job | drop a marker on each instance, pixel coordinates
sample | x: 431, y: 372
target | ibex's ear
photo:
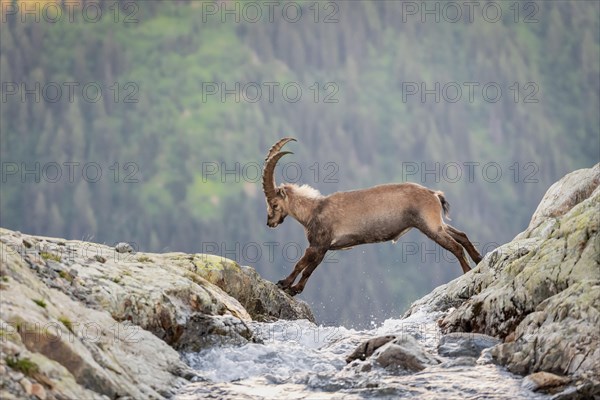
x: 281, y: 192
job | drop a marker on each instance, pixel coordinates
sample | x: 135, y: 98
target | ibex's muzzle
x: 273, y: 224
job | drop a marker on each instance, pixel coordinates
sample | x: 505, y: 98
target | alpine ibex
x: 345, y: 219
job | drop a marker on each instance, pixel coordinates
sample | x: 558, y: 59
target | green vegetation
x: 66, y: 322
x: 17, y: 322
x: 144, y: 259
x: 154, y: 133
x: 6, y: 335
x: 50, y: 256
x: 194, y: 278
x: 24, y: 365
x: 65, y: 275
x: 40, y: 302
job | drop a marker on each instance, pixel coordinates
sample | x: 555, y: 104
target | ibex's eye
x: 275, y: 207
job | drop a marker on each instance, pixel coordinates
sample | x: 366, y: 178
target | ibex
x: 345, y: 219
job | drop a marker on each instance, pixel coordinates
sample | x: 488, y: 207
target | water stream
x: 300, y: 360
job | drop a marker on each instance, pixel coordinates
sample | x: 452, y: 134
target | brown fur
x: 345, y: 219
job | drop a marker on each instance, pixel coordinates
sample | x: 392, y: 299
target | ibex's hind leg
x: 443, y: 238
x: 462, y: 238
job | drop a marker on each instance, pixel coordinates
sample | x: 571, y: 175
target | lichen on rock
x: 540, y: 293
x: 107, y: 321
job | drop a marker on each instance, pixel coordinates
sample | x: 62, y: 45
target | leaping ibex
x: 345, y: 219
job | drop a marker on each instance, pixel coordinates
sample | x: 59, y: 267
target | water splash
x: 301, y: 360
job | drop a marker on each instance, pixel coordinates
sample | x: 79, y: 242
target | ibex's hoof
x: 281, y: 284
x: 293, y: 291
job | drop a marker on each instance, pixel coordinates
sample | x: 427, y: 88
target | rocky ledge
x: 532, y: 305
x: 81, y: 320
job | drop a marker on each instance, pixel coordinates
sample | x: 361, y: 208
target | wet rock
x: 459, y: 362
x: 462, y: 344
x: 404, y: 354
x: 540, y: 293
x: 204, y: 331
x: 543, y: 381
x: 586, y: 388
x: 366, y: 349
x: 563, y: 387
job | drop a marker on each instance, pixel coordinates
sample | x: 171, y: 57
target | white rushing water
x: 301, y: 360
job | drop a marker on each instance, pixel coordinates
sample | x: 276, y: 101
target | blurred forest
x: 163, y: 131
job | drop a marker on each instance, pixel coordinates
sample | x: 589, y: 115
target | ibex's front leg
x: 307, y: 264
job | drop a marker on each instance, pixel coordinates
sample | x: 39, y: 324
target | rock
x: 123, y: 248
x: 204, y: 331
x: 542, y: 381
x: 17, y: 376
x: 55, y: 266
x: 404, y: 354
x: 102, y: 357
x: 113, y: 329
x: 586, y: 388
x: 38, y: 391
x: 366, y: 349
x: 562, y: 196
x: 4, y: 395
x: 263, y: 300
x: 540, y: 293
x: 556, y: 338
x: 26, y: 384
x: 459, y: 362
x: 461, y: 344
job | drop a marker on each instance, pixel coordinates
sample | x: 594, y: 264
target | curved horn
x: 277, y: 146
x: 269, y: 174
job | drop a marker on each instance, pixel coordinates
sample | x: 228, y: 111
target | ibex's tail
x: 445, y: 204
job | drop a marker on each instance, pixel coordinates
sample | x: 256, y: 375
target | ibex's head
x: 276, y: 197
